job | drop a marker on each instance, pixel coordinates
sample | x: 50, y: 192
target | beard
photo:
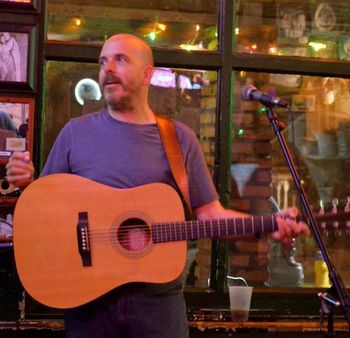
x: 118, y: 103
x: 118, y: 99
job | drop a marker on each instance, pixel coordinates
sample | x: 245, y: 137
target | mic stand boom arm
x: 337, y: 290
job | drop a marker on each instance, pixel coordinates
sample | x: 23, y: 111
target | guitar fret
x: 173, y: 231
x: 262, y: 224
x: 166, y: 233
x: 160, y: 233
x: 226, y: 227
x: 204, y: 229
x: 253, y: 225
x: 219, y: 226
x: 170, y: 232
x: 192, y: 231
x: 234, y: 226
x: 243, y: 226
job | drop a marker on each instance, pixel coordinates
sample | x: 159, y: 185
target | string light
x: 273, y: 50
x: 77, y: 21
x: 317, y: 45
x: 152, y: 35
x: 162, y: 26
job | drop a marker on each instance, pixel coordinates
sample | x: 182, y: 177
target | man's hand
x: 289, y: 227
x: 20, y: 170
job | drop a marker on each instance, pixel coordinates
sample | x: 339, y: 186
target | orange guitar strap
x: 174, y: 154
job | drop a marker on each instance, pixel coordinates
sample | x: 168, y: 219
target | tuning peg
x: 321, y: 212
x: 335, y: 205
x: 335, y: 210
x: 347, y: 205
x: 347, y: 210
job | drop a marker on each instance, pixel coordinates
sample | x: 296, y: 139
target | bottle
x: 321, y: 271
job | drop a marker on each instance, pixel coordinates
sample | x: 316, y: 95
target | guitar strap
x: 174, y: 154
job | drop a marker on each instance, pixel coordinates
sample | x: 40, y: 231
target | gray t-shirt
x: 125, y: 155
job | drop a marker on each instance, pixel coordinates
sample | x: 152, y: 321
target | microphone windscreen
x: 245, y: 92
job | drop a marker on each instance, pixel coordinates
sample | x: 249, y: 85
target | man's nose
x: 110, y: 66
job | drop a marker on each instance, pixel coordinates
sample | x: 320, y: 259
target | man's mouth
x: 111, y: 81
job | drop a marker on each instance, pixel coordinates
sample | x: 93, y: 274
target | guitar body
x: 46, y: 248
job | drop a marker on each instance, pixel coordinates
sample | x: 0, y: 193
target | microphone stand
x: 337, y: 290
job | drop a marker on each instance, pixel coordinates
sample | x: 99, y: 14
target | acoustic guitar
x: 72, y: 237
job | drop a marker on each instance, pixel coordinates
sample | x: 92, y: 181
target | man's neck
x: 132, y: 116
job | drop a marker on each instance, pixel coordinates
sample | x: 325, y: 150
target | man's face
x: 121, y: 75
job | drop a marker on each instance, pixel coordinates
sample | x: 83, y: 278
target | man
x: 121, y: 147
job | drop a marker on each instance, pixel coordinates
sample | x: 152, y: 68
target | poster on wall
x: 16, y: 115
x: 19, y: 4
x: 16, y: 134
x: 13, y: 57
x: 16, y: 57
x: 18, y: 1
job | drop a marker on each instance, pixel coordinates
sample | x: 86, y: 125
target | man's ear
x: 148, y: 74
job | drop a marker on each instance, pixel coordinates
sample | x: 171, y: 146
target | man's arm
x: 288, y: 227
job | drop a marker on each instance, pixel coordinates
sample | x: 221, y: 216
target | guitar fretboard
x: 179, y: 231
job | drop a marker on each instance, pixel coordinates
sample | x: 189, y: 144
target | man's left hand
x: 288, y: 227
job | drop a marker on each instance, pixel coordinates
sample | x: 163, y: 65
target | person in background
x: 120, y: 146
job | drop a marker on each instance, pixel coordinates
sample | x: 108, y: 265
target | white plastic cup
x: 240, y: 298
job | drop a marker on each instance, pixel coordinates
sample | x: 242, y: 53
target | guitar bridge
x: 83, y: 238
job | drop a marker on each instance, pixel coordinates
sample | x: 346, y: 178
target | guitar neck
x: 251, y: 225
x: 189, y: 230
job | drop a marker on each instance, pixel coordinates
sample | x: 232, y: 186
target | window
x: 188, y: 25
x: 292, y: 49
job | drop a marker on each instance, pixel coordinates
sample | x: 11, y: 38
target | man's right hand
x: 20, y: 169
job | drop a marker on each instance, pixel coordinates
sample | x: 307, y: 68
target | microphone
x: 250, y: 93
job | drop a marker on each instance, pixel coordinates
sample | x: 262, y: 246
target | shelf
x: 323, y: 158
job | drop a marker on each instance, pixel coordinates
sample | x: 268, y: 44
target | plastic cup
x: 240, y: 297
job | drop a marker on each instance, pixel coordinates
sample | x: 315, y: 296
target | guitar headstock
x: 334, y: 217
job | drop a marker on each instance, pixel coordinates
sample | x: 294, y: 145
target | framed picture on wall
x: 19, y: 5
x: 16, y: 125
x: 16, y: 57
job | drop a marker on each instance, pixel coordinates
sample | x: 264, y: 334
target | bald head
x: 126, y: 68
x: 137, y: 44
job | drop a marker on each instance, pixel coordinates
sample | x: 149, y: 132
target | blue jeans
x: 160, y: 315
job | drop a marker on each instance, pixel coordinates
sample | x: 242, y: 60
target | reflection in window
x: 318, y: 135
x: 295, y: 28
x: 169, y: 24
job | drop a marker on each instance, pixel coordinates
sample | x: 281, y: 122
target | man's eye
x: 121, y: 58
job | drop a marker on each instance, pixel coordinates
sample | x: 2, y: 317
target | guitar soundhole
x: 133, y: 234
